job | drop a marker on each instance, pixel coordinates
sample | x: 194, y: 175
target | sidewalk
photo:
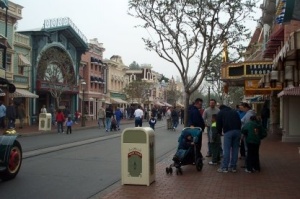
x: 34, y: 129
x: 279, y: 178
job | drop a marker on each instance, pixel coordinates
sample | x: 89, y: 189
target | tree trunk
x: 186, y: 108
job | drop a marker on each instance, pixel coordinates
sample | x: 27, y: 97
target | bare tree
x: 59, y: 79
x: 138, y: 90
x: 189, y: 33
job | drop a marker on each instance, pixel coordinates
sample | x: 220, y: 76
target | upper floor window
x: 8, y: 62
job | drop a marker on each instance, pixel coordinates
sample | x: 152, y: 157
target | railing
x: 63, y: 22
x: 22, y: 39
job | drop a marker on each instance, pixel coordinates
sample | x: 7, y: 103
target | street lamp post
x: 83, y: 84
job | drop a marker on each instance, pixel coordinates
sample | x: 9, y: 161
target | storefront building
x: 56, y: 54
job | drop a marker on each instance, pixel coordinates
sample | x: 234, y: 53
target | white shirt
x: 138, y: 113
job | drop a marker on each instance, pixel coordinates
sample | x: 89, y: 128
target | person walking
x: 101, y: 117
x: 152, y: 122
x: 119, y: 116
x: 195, y: 117
x: 69, y: 125
x: 168, y: 118
x: 138, y: 116
x: 60, y: 119
x: 228, y: 122
x: 182, y: 115
x: 2, y: 115
x: 207, y: 116
x: 21, y: 115
x: 11, y: 115
x: 175, y: 118
x: 108, y: 115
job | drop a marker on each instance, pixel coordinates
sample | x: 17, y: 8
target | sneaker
x: 247, y: 171
x: 212, y: 163
x: 233, y: 170
x: 221, y: 170
x: 106, y: 130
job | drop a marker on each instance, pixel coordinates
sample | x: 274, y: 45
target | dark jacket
x: 108, y: 112
x: 174, y: 115
x: 195, y: 118
x: 228, y: 120
x: 11, y: 113
x: 254, y: 132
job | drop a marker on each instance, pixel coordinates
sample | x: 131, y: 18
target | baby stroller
x: 189, y: 156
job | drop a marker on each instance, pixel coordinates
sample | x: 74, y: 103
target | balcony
x: 22, y: 40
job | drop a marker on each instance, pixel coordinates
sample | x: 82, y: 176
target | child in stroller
x: 113, y: 125
x: 189, y: 150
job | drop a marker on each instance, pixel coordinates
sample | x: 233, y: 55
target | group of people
x: 11, y: 113
x: 109, y: 119
x: 241, y: 129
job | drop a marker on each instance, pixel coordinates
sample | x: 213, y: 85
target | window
x: 8, y: 62
x: 21, y: 70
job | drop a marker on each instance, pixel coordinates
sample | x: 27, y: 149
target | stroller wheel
x: 170, y: 170
x: 199, y: 164
x: 167, y: 170
x: 178, y: 171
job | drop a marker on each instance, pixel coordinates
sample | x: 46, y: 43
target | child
x: 152, y: 122
x: 184, y: 144
x: 254, y: 132
x: 215, y: 141
x: 69, y: 124
x: 113, y: 125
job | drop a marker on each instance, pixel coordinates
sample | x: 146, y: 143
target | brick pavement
x: 279, y: 178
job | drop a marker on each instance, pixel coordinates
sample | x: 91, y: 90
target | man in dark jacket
x: 11, y: 115
x: 195, y: 117
x: 228, y: 122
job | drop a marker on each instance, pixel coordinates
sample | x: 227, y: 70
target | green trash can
x: 138, y: 156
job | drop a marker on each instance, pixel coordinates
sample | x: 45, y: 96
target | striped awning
x: 118, y: 101
x: 159, y: 104
x: 290, y: 92
x: 167, y: 104
x: 23, y: 61
x: 23, y: 93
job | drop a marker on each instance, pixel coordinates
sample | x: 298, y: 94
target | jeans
x: 138, y: 122
x: 108, y: 123
x: 101, y: 122
x: 118, y: 123
x: 175, y: 123
x: 209, y: 140
x: 60, y: 126
x: 231, y: 149
x: 252, y: 159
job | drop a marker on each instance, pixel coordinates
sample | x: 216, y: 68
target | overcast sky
x: 106, y: 20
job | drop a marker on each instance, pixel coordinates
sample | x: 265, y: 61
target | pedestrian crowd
x: 241, y: 129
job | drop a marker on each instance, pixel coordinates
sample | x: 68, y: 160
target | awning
x: 159, y: 104
x: 23, y: 61
x: 290, y: 92
x: 118, y: 101
x: 179, y: 104
x: 167, y: 104
x: 23, y: 93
